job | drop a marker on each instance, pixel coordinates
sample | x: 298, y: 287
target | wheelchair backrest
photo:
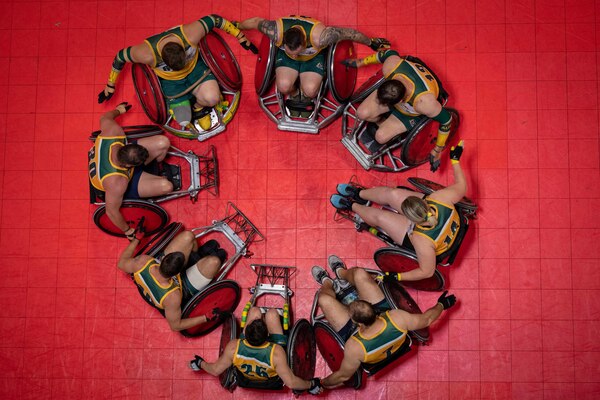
x: 372, y: 369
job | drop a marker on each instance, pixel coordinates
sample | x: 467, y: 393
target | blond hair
x: 415, y: 209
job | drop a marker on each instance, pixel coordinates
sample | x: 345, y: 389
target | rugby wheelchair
x: 204, y: 175
x: 407, y: 150
x: 272, y: 283
x: 215, y: 52
x: 401, y: 257
x: 222, y: 294
x: 331, y: 344
x: 336, y: 89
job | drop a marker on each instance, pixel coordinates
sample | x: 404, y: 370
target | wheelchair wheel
x: 224, y: 295
x: 302, y: 350
x: 147, y: 88
x: 155, y: 217
x: 331, y: 347
x: 390, y: 259
x: 158, y: 242
x: 264, y: 66
x: 368, y: 87
x: 135, y: 131
x: 342, y: 79
x: 221, y: 61
x: 228, y: 334
x: 403, y: 301
x: 426, y: 186
x: 421, y: 139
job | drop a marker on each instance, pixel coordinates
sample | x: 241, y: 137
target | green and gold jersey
x: 255, y: 362
x: 423, y: 82
x: 443, y: 234
x: 384, y: 343
x: 100, y: 165
x: 306, y: 25
x: 153, y: 290
x: 191, y: 54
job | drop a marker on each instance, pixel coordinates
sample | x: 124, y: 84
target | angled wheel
x: 390, y: 259
x: 302, y: 350
x: 158, y: 242
x: 228, y: 333
x: 342, y: 78
x: 147, y: 88
x: 265, y: 63
x: 155, y: 217
x: 331, y: 347
x: 135, y: 131
x: 426, y: 186
x: 402, y: 300
x: 221, y: 61
x: 224, y: 295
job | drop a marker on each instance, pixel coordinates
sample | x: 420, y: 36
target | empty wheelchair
x: 407, y: 150
x: 222, y: 63
x: 221, y: 293
x: 331, y: 345
x: 401, y: 257
x: 272, y: 284
x: 336, y: 89
x: 203, y: 175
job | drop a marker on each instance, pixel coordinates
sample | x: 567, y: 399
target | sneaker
x: 348, y: 190
x: 341, y: 202
x: 344, y: 291
x: 336, y: 264
x: 320, y: 275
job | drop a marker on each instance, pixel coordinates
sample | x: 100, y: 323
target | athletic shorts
x: 408, y: 121
x: 174, y: 87
x: 132, y: 189
x: 315, y: 64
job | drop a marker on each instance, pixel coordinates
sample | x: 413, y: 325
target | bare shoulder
x: 428, y: 104
x: 142, y: 53
x: 390, y: 64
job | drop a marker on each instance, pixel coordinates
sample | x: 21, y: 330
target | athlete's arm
x: 140, y: 53
x: 285, y: 373
x: 376, y: 58
x: 127, y: 262
x: 350, y: 363
x: 426, y: 257
x: 114, y: 190
x: 207, y: 23
x: 172, y: 305
x: 455, y: 192
x: 224, y: 361
x: 265, y: 26
x: 334, y: 34
x: 413, y: 322
x: 429, y: 106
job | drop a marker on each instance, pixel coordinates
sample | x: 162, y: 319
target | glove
x: 456, y: 152
x: 140, y: 230
x: 350, y: 62
x: 447, y: 301
x: 389, y: 277
x: 315, y: 386
x: 214, y: 314
x: 196, y: 363
x: 124, y: 106
x: 434, y: 159
x: 379, y: 43
x: 106, y: 94
x: 246, y: 43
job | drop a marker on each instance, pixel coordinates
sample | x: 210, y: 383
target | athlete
x: 173, y: 55
x: 116, y: 167
x: 259, y: 356
x: 410, y: 90
x: 300, y: 41
x: 427, y: 223
x: 183, y: 271
x: 381, y: 330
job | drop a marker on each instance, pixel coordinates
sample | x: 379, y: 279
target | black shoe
x: 208, y: 248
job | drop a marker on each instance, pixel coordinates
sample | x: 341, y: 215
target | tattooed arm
x: 265, y: 26
x: 333, y: 34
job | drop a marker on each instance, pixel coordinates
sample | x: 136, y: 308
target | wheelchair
x: 336, y: 89
x: 401, y: 257
x: 407, y: 150
x: 215, y: 52
x: 204, y: 175
x: 272, y: 282
x: 331, y: 344
x: 222, y: 293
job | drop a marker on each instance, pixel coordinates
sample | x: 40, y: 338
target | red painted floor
x: 523, y: 74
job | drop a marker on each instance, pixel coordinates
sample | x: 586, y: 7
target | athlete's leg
x: 370, y: 109
x: 310, y: 82
x: 157, y: 147
x: 209, y: 266
x: 395, y: 225
x: 389, y: 129
x: 184, y: 242
x: 388, y: 196
x: 208, y: 94
x: 152, y: 185
x: 285, y: 79
x: 335, y: 312
x: 254, y: 313
x: 273, y: 321
x: 368, y: 290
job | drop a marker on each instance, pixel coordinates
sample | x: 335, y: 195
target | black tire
x: 159, y: 241
x: 228, y: 333
x: 149, y: 93
x: 302, y: 350
x: 402, y: 300
x: 155, y: 217
x: 390, y: 259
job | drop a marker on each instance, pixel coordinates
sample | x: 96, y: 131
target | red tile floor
x: 523, y: 74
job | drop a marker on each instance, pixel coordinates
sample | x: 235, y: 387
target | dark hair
x: 390, y: 92
x: 293, y: 38
x: 132, y: 154
x: 172, y: 264
x: 173, y: 55
x: 256, y: 332
x: 362, y: 312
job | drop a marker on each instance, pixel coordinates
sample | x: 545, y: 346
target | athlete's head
x: 362, y: 312
x: 294, y: 40
x: 415, y: 209
x: 172, y: 264
x: 132, y: 155
x: 257, y: 332
x: 173, y: 55
x: 390, y: 92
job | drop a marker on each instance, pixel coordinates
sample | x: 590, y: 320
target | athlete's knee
x: 381, y: 136
x: 162, y: 143
x: 360, y: 274
x: 209, y: 266
x: 325, y: 301
x: 311, y: 89
x: 364, y: 113
x: 285, y: 85
x: 272, y: 316
x: 165, y: 186
x: 211, y: 98
x: 187, y: 237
